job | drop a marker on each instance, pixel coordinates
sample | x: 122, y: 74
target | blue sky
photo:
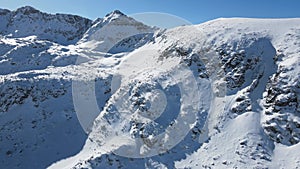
x: 195, y: 11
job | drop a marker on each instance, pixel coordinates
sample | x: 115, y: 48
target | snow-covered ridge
x: 105, y: 33
x: 27, y: 21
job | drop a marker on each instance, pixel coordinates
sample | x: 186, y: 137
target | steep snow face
x: 27, y: 21
x: 114, y: 27
x: 38, y: 122
x: 281, y: 99
x: 246, y: 112
x: 34, y: 132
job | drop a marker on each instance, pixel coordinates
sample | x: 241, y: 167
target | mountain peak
x: 113, y: 15
x: 28, y: 21
x: 27, y: 10
x: 115, y: 12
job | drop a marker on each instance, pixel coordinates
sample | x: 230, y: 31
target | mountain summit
x: 115, y: 12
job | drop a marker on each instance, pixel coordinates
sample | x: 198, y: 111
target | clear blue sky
x: 195, y: 11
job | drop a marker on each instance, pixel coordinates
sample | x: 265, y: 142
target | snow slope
x: 226, y: 91
x: 236, y: 137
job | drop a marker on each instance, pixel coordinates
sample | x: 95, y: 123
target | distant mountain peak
x: 27, y: 10
x: 115, y: 12
x: 114, y: 15
x: 28, y: 21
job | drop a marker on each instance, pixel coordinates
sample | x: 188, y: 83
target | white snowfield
x: 222, y: 94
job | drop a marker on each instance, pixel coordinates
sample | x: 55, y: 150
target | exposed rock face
x: 281, y: 98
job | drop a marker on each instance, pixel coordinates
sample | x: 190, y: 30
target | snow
x: 286, y: 156
x: 236, y: 146
x: 121, y: 94
x: 27, y: 21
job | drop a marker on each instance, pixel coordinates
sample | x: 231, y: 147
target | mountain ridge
x: 63, y: 28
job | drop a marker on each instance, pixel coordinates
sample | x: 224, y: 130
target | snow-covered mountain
x: 27, y: 21
x: 114, y: 27
x: 235, y: 80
